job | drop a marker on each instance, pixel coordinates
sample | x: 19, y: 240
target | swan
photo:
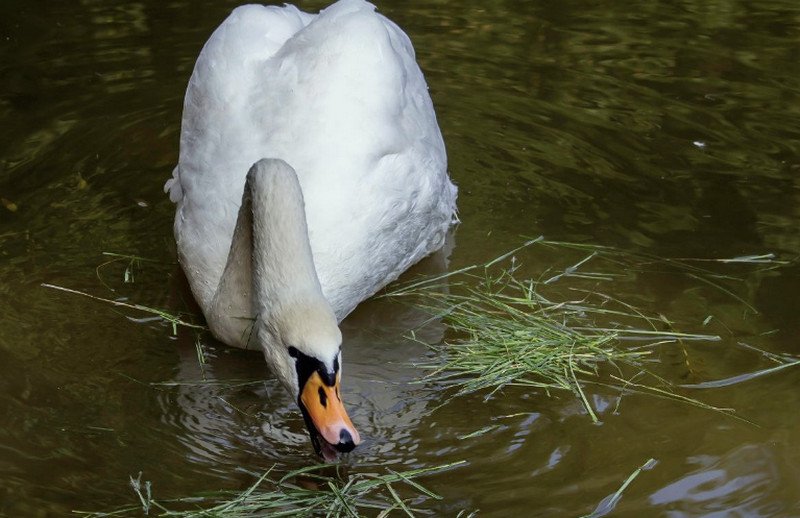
x: 311, y: 173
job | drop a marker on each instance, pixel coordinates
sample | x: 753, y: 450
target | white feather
x: 339, y: 97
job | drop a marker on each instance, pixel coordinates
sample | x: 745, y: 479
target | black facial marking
x: 312, y: 430
x: 323, y: 398
x: 307, y: 365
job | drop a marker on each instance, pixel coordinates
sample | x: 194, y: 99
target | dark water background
x: 664, y: 128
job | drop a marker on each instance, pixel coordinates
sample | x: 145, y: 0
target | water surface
x: 669, y: 129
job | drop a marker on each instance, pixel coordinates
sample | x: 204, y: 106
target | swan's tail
x: 173, y: 186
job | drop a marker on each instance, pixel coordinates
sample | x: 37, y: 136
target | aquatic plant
x: 609, y: 503
x: 304, y: 492
x: 504, y: 330
x: 173, y: 318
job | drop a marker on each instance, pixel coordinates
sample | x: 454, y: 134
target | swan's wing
x: 355, y: 120
x: 340, y: 98
x: 225, y: 73
x: 216, y: 132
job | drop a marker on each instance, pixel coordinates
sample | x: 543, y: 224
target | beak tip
x: 347, y: 441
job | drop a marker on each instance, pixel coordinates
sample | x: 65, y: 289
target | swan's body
x: 354, y: 193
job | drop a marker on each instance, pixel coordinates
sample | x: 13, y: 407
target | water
x: 668, y: 129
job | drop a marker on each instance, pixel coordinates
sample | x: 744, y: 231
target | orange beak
x: 326, y: 411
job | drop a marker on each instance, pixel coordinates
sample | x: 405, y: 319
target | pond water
x: 671, y: 129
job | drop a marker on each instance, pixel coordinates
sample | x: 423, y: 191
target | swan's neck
x: 283, y: 267
x: 270, y: 274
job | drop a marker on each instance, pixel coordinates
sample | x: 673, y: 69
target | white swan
x: 311, y: 174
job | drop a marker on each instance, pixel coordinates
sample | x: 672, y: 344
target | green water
x: 664, y: 128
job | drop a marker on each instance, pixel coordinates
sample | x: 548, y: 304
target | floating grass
x: 505, y: 331
x: 689, y: 266
x: 132, y: 264
x: 173, y: 319
x: 506, y: 334
x: 479, y: 433
x: 608, y: 504
x: 305, y: 492
x: 508, y: 331
x: 741, y: 378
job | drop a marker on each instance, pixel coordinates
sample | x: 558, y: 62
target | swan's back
x: 339, y: 97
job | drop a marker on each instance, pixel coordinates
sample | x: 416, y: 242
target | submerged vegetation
x: 304, y: 492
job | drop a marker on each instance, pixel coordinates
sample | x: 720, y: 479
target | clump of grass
x: 504, y: 331
x: 304, y: 492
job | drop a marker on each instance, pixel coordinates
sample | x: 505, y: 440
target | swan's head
x: 303, y: 348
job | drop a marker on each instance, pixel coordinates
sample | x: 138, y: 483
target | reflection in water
x: 219, y: 422
x: 229, y: 410
x: 670, y: 129
x: 740, y: 483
